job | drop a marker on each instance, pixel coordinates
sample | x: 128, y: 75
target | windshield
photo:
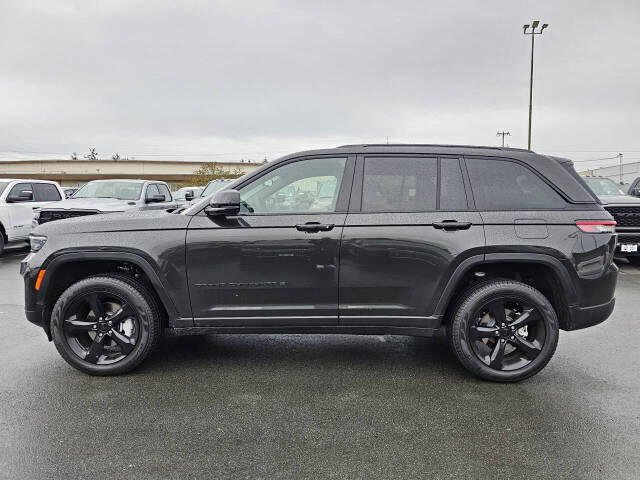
x: 604, y: 186
x: 3, y: 185
x: 119, y: 190
x: 213, y: 187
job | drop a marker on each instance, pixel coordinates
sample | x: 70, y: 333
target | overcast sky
x: 239, y: 79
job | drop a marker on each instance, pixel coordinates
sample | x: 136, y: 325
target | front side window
x: 399, y: 184
x: 119, y: 190
x: 18, y: 188
x: 299, y: 187
x: 3, y: 185
x: 152, y: 191
x: 162, y: 188
x: 45, y: 192
x: 506, y: 185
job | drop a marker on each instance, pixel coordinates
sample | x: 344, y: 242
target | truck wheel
x: 105, y: 325
x: 635, y: 260
x: 504, y: 331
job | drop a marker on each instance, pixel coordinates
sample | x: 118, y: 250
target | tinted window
x: 304, y: 186
x: 452, y: 194
x: 505, y: 185
x: 164, y: 191
x: 399, y: 184
x: 45, y: 192
x: 20, y: 187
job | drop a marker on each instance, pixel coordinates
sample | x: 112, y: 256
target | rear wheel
x: 105, y: 325
x: 504, y: 331
x: 635, y: 260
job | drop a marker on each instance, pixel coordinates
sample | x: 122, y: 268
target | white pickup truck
x: 18, y: 201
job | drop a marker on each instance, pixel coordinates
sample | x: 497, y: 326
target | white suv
x: 18, y: 200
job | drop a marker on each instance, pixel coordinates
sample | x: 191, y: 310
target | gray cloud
x: 272, y: 76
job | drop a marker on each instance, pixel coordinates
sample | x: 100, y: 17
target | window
x: 45, y: 192
x: 152, y: 190
x: 107, y: 189
x: 399, y: 184
x: 506, y: 185
x: 3, y: 185
x: 164, y: 191
x: 299, y: 187
x: 452, y: 194
x: 21, y: 187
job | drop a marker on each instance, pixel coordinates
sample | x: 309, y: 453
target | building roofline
x: 61, y: 160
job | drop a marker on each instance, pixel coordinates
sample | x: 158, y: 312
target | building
x: 73, y: 173
x: 630, y: 171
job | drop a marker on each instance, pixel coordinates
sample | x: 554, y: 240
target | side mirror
x: 23, y: 196
x: 189, y: 195
x: 224, y: 203
x: 155, y: 199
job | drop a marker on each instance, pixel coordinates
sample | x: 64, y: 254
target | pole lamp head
x: 524, y: 27
x: 535, y: 24
x: 544, y: 25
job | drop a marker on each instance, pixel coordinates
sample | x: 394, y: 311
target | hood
x: 101, y: 204
x: 115, y: 222
x: 619, y: 199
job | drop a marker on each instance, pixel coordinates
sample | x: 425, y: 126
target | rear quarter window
x: 506, y: 185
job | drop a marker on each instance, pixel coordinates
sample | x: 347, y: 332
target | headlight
x: 37, y: 242
x: 36, y: 215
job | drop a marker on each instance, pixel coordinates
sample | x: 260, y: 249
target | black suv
x: 496, y: 248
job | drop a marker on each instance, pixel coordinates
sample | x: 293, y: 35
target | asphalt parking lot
x: 294, y: 406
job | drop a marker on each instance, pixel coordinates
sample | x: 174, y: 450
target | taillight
x: 598, y: 226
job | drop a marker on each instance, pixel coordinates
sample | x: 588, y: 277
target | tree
x: 210, y: 171
x: 115, y: 156
x: 74, y: 156
x: 92, y: 155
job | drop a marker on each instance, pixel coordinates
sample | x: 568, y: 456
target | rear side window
x: 399, y: 184
x: 45, y: 192
x: 506, y: 185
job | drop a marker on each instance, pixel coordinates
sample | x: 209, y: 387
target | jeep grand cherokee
x: 497, y: 248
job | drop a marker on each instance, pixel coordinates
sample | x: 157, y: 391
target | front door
x: 276, y: 263
x: 21, y: 212
x: 409, y: 225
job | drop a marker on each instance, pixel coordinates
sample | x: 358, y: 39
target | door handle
x: 314, y: 227
x: 451, y: 225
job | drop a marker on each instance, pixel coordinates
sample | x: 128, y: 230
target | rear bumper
x: 583, y: 317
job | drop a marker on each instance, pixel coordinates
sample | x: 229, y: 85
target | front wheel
x: 504, y: 331
x: 105, y: 325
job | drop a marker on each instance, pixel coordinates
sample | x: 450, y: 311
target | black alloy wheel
x: 105, y: 325
x: 503, y: 330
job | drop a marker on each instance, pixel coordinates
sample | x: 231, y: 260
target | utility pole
x: 621, y: 173
x: 533, y: 34
x: 503, y: 135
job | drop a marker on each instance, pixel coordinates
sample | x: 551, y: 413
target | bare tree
x: 92, y: 155
x: 115, y: 156
x: 74, y: 156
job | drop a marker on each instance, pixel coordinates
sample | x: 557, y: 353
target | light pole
x: 533, y: 34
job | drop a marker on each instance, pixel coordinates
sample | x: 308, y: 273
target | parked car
x: 19, y: 198
x: 69, y: 191
x: 625, y: 209
x: 110, y: 196
x: 634, y: 188
x: 186, y: 194
x: 497, y: 248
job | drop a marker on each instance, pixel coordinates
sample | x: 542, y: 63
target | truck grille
x: 52, y: 215
x: 625, y: 216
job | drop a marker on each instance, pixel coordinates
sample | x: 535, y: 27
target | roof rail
x: 365, y: 145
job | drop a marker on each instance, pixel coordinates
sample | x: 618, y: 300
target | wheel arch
x: 542, y: 271
x: 68, y: 268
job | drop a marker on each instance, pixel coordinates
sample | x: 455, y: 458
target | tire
x: 1, y: 242
x: 633, y: 260
x: 511, y: 349
x: 112, y: 342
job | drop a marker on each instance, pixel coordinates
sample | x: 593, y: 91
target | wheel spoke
x: 125, y: 343
x: 528, y: 316
x: 96, y: 349
x: 124, y: 312
x: 96, y: 305
x: 529, y: 349
x: 497, y: 311
x: 477, y: 332
x: 497, y: 355
x: 76, y: 326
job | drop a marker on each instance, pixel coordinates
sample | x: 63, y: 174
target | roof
x: 553, y: 169
x: 128, y: 180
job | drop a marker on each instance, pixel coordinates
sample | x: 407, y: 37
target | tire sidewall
x: 116, y: 287
x: 485, y: 293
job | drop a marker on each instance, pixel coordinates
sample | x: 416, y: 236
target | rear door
x: 410, y: 223
x: 276, y: 263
